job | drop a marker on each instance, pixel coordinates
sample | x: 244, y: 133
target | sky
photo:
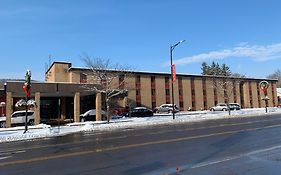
x: 245, y: 35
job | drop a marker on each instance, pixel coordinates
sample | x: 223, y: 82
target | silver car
x: 166, y: 108
x: 219, y: 107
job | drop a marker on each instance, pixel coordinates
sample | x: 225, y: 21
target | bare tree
x: 110, y: 79
x: 226, y: 87
x: 276, y: 75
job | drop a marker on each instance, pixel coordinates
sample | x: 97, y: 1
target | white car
x: 18, y: 117
x: 219, y: 107
x: 168, y: 108
x: 91, y: 115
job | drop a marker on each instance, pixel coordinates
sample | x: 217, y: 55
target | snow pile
x: 88, y: 127
x: 43, y: 131
x: 32, y: 133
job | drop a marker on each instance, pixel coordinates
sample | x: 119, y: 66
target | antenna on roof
x: 47, y: 66
x: 50, y: 60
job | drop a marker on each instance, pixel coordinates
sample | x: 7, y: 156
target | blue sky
x: 244, y: 34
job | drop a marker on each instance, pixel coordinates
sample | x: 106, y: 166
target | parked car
x: 234, y: 106
x: 278, y: 105
x: 18, y: 118
x: 140, y: 112
x: 91, y: 115
x: 219, y: 107
x: 168, y: 108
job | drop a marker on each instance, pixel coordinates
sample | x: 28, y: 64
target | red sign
x: 174, y: 78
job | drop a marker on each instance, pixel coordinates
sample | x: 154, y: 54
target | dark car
x: 91, y: 115
x: 234, y: 106
x: 140, y: 112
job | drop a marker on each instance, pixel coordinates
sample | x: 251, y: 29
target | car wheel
x: 224, y: 109
x: 212, y: 109
x: 2, y: 124
x: 31, y: 122
x: 82, y: 120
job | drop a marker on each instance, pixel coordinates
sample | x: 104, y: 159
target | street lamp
x: 173, y: 73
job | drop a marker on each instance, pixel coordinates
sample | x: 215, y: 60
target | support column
x: 77, y: 107
x: 125, y: 102
x: 9, y: 108
x: 37, y: 108
x: 98, y: 107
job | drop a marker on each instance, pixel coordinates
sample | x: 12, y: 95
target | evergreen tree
x: 205, y: 68
x: 225, y: 70
x: 218, y: 70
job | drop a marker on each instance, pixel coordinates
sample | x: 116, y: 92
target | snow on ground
x: 45, y: 131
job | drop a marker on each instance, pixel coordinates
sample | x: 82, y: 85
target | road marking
x: 235, y: 157
x: 6, y: 157
x: 153, y: 133
x: 161, y: 132
x: 99, y: 150
x: 10, y: 154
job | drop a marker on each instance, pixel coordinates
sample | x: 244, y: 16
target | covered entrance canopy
x: 62, y: 100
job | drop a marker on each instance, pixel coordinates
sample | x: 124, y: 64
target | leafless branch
x: 110, y: 77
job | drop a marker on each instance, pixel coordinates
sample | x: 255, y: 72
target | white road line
x: 234, y: 157
x: 12, y: 152
x: 2, y: 158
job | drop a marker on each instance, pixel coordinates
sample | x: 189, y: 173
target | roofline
x: 179, y: 74
x: 58, y: 62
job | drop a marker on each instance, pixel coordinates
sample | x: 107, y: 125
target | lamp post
x: 173, y: 73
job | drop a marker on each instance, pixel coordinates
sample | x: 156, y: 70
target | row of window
x: 226, y: 94
x: 83, y: 79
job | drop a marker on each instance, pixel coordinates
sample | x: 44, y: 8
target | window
x: 83, y: 78
x: 152, y: 91
x: 166, y: 79
x: 138, y: 79
x: 204, y: 92
x: 167, y: 91
x: 153, y: 104
x: 193, y: 92
x: 153, y: 79
x: 180, y: 92
x: 181, y: 104
x: 121, y: 81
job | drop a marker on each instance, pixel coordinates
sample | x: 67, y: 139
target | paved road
x: 220, y: 147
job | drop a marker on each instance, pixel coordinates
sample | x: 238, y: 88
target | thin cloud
x: 255, y: 52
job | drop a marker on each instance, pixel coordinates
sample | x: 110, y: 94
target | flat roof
x: 51, y: 89
x: 178, y: 74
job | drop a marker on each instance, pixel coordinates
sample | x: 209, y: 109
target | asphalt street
x: 238, y: 146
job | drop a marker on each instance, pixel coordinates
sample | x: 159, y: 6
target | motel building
x: 63, y: 94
